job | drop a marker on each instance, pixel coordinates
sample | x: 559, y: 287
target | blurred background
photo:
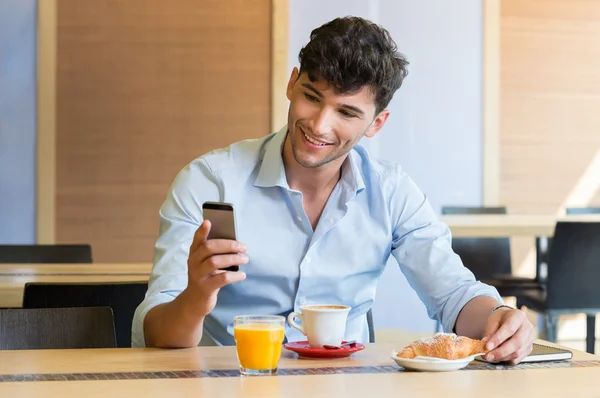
x: 102, y: 102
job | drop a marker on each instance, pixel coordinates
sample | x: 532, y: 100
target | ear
x: 293, y: 79
x: 377, y: 123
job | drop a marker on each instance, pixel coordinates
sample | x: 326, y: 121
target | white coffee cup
x: 322, y: 324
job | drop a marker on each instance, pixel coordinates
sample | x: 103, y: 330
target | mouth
x: 314, y: 141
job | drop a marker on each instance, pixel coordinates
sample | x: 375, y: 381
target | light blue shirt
x: 374, y: 211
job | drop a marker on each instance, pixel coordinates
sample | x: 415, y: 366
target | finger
x: 200, y: 236
x: 511, y: 348
x: 508, y: 350
x: 216, y: 264
x: 213, y: 264
x: 221, y: 246
x: 224, y: 278
x: 511, y: 325
x: 214, y: 247
x: 220, y: 261
x: 523, y: 351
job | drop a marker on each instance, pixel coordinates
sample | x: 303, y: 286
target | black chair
x: 122, y: 297
x: 542, y: 246
x: 57, y: 328
x: 489, y: 258
x: 542, y: 243
x: 78, y: 253
x: 371, y: 327
x: 573, y: 275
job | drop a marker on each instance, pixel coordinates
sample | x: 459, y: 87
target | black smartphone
x: 222, y: 220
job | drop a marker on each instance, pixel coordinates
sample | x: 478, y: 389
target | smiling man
x: 317, y: 217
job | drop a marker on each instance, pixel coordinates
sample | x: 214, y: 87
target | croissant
x: 444, y: 346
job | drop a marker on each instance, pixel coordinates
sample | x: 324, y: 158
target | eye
x: 311, y: 98
x: 347, y: 114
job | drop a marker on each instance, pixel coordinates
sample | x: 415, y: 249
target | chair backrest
x: 56, y: 328
x: 122, y: 297
x: 484, y: 257
x: 450, y: 210
x: 78, y: 253
x: 574, y: 266
x: 543, y: 243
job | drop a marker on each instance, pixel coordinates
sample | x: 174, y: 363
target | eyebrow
x: 347, y: 106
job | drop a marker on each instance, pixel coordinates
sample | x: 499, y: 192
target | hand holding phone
x: 212, y: 253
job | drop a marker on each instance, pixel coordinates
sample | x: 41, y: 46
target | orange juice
x: 258, y: 345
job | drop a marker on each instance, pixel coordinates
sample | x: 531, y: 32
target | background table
x: 14, y: 276
x: 502, y: 225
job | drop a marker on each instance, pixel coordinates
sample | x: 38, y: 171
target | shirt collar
x: 351, y: 175
x: 272, y: 170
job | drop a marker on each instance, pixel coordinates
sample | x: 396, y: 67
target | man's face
x: 325, y: 126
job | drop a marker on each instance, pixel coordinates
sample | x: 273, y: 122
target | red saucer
x: 306, y: 351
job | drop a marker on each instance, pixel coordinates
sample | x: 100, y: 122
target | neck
x: 310, y: 181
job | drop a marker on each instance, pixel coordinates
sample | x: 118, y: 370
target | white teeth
x: 312, y: 141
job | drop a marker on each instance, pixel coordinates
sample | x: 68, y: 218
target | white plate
x: 429, y: 364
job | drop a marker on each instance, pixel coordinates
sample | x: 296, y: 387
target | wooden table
x: 572, y: 381
x: 14, y: 276
x: 501, y: 225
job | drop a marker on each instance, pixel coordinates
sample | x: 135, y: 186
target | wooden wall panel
x: 491, y: 103
x: 550, y: 106
x: 46, y: 123
x: 144, y: 87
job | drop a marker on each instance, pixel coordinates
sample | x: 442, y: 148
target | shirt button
x: 299, y: 218
x: 307, y: 259
x: 302, y: 301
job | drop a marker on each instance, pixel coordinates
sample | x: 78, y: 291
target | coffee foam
x: 324, y: 307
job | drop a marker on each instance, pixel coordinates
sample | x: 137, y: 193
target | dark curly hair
x: 351, y: 53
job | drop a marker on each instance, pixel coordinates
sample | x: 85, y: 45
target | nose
x: 322, y: 123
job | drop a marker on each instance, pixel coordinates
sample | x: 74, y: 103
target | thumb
x: 200, y: 236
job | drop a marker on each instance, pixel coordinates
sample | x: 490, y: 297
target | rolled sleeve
x: 460, y: 297
x: 422, y: 246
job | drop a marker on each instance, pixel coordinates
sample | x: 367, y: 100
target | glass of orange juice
x: 258, y: 339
